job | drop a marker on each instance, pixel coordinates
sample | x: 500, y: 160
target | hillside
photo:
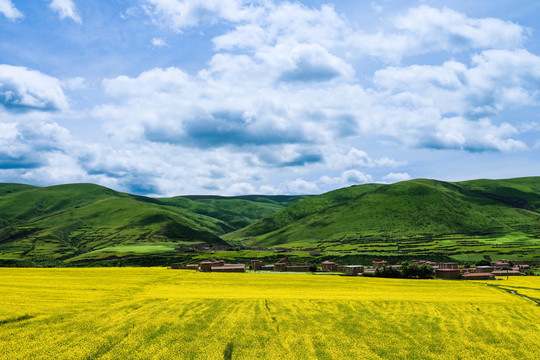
x: 407, y: 216
x: 236, y: 211
x: 79, y: 222
x: 84, y: 223
x: 60, y: 222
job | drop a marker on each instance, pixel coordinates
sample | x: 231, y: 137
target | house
x: 378, y: 263
x: 329, y: 266
x: 506, y: 273
x: 484, y: 269
x: 453, y: 274
x: 220, y: 266
x: 478, y: 276
x: 449, y: 265
x: 498, y: 265
x: 230, y: 268
x: 286, y: 261
x: 353, y: 270
x: 185, y: 267
x: 205, y: 266
x: 256, y: 265
x: 298, y: 268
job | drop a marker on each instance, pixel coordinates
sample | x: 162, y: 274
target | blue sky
x: 172, y: 97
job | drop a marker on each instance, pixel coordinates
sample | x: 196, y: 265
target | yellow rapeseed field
x: 157, y: 313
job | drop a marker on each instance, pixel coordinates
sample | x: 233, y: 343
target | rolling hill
x: 410, y: 215
x: 84, y: 221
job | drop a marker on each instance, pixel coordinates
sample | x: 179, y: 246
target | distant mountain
x: 62, y: 222
x: 422, y: 207
x: 235, y: 211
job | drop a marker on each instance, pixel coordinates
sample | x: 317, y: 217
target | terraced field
x: 157, y: 313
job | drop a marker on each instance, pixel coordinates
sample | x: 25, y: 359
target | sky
x: 231, y: 97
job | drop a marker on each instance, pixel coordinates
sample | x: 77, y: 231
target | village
x: 443, y: 270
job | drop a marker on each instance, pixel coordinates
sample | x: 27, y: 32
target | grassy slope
x: 81, y: 221
x: 84, y: 221
x: 302, y: 209
x: 416, y: 207
x: 67, y: 220
x: 236, y: 212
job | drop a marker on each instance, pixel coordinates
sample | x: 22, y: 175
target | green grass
x: 236, y: 212
x: 420, y: 216
x: 66, y: 223
x: 59, y: 222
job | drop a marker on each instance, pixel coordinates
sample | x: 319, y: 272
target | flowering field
x: 156, y: 313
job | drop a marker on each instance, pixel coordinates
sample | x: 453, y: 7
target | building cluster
x: 212, y: 266
x: 282, y: 265
x: 445, y: 270
x: 487, y: 272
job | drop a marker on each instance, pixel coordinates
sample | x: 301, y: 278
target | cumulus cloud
x: 458, y: 101
x: 180, y: 14
x: 66, y: 9
x: 300, y: 186
x: 425, y: 29
x: 27, y: 145
x: 313, y: 63
x: 348, y: 177
x: 395, y: 177
x: 22, y: 89
x: 9, y: 10
x: 356, y: 158
x: 497, y: 79
x: 287, y: 23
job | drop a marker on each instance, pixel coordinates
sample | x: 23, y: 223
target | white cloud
x: 395, y: 177
x: 22, y: 89
x: 347, y: 178
x: 355, y: 158
x: 287, y: 23
x: 300, y: 186
x: 242, y: 188
x: 66, y: 9
x: 457, y: 101
x: 158, y: 42
x: 425, y: 29
x: 9, y: 10
x: 450, y: 30
x: 179, y: 14
x: 312, y: 63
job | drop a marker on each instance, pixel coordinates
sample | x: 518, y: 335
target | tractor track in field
x: 512, y: 290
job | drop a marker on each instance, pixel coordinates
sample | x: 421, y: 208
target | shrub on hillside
x: 483, y: 262
x: 388, y: 272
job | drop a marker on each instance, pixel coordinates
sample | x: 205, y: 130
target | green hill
x: 237, y: 211
x: 302, y: 209
x: 80, y: 222
x: 471, y: 216
x: 66, y: 221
